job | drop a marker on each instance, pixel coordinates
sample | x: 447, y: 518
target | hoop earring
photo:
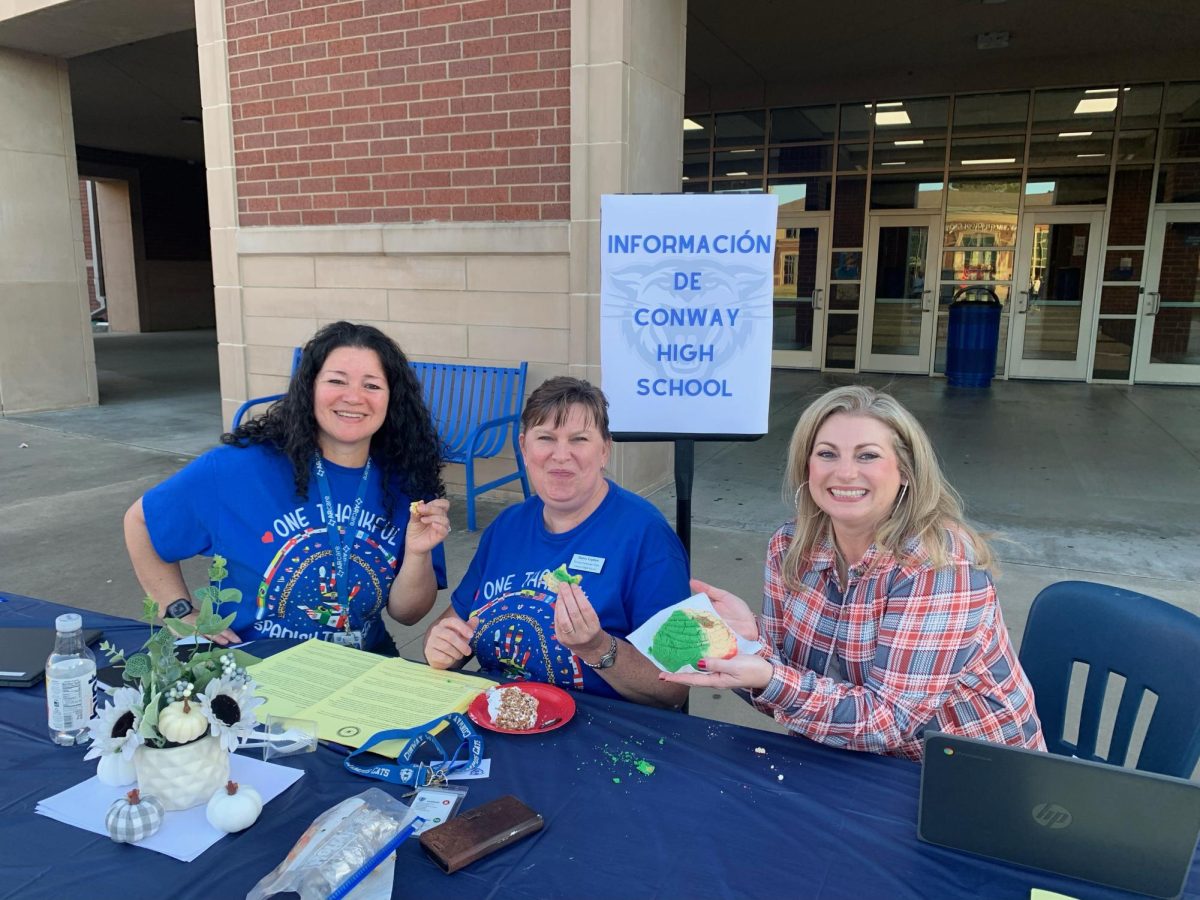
x: 900, y: 497
x: 796, y: 498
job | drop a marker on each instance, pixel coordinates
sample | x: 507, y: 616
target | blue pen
x: 337, y: 748
x: 369, y: 866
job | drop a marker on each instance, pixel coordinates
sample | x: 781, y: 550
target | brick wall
x: 400, y: 110
x: 93, y: 301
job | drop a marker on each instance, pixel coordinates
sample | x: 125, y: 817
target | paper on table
x: 1043, y: 894
x: 643, y: 637
x: 185, y: 833
x: 351, y: 695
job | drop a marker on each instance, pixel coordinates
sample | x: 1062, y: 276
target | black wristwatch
x: 607, y: 660
x: 177, y: 609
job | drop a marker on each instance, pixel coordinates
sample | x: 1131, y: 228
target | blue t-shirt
x: 242, y: 503
x: 632, y: 565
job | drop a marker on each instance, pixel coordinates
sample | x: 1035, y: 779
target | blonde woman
x: 880, y: 620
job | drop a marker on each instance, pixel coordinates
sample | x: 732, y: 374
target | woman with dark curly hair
x: 350, y: 443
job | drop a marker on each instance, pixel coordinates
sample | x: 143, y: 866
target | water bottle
x: 70, y: 683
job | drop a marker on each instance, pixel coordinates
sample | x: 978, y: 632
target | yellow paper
x: 351, y: 695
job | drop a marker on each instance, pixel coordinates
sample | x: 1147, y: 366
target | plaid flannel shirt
x: 923, y: 648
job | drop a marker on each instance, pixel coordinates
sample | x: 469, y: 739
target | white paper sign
x: 686, y: 312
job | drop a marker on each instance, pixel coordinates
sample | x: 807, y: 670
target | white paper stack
x: 185, y: 833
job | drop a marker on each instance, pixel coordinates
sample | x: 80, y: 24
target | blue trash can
x: 973, y: 337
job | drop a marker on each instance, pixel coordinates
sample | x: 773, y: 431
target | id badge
x: 352, y: 638
x: 436, y: 805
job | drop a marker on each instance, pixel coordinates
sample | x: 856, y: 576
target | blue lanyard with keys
x: 340, y: 546
x: 418, y: 775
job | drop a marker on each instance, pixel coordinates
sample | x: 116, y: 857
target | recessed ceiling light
x: 1092, y: 105
x: 692, y: 125
x: 999, y: 161
x: 1071, y: 134
x: 1087, y: 155
x: 907, y: 143
x: 686, y: 178
x: 894, y: 164
x: 893, y: 117
x: 890, y: 105
x: 991, y: 40
x: 737, y: 173
x: 744, y: 151
x: 1100, y: 91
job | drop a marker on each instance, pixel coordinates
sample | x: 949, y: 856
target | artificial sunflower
x: 115, y: 727
x: 228, y: 703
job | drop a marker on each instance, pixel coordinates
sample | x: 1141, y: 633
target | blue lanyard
x: 341, y: 547
x: 421, y: 774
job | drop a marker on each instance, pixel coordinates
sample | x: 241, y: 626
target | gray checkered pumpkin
x: 133, y: 817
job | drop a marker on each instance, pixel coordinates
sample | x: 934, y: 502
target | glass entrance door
x: 801, y: 253
x: 1056, y: 283
x: 1168, y: 347
x: 899, y: 314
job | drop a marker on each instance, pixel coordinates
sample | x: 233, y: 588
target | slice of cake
x: 551, y: 580
x: 512, y: 708
x: 690, y: 635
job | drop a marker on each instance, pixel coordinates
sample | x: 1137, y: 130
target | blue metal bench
x: 476, y: 409
x: 270, y: 398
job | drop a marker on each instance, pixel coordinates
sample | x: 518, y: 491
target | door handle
x: 925, y: 300
x: 1154, y: 303
x: 816, y: 298
x: 1025, y: 304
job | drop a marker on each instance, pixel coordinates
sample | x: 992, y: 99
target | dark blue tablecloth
x: 716, y: 818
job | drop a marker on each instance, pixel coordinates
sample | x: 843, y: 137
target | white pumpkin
x: 116, y: 770
x: 181, y: 722
x: 233, y: 807
x: 133, y: 817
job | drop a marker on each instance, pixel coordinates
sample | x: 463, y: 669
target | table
x: 728, y: 812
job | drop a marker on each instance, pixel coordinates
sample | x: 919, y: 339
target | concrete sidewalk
x: 1095, y: 482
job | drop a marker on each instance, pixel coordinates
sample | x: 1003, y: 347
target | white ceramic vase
x: 185, y: 776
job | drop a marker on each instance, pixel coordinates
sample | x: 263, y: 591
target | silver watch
x: 607, y: 660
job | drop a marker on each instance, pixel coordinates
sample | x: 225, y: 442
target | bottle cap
x: 69, y: 622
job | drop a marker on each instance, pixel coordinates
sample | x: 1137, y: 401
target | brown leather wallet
x: 478, y: 832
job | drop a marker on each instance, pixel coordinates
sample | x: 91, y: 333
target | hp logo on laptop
x: 1051, y: 815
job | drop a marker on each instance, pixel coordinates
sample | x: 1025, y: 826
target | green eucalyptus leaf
x: 230, y: 595
x: 137, y: 666
x: 218, y: 571
x: 206, y: 593
x: 209, y: 624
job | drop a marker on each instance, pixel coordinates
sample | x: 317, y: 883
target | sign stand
x: 685, y: 470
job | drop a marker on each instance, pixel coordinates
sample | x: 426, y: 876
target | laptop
x: 23, y: 653
x: 1117, y: 827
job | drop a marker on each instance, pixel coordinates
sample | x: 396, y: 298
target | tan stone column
x: 115, y: 224
x: 217, y: 116
x: 47, y: 360
x: 627, y: 86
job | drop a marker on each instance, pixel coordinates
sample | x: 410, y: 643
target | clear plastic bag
x: 334, y: 846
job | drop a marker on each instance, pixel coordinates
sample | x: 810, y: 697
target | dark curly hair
x: 406, y: 445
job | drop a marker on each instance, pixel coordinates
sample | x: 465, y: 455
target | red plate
x: 553, y: 703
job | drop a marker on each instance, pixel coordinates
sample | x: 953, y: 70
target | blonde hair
x: 925, y: 511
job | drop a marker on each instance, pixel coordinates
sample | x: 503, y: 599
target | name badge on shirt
x: 348, y: 638
x: 584, y: 563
